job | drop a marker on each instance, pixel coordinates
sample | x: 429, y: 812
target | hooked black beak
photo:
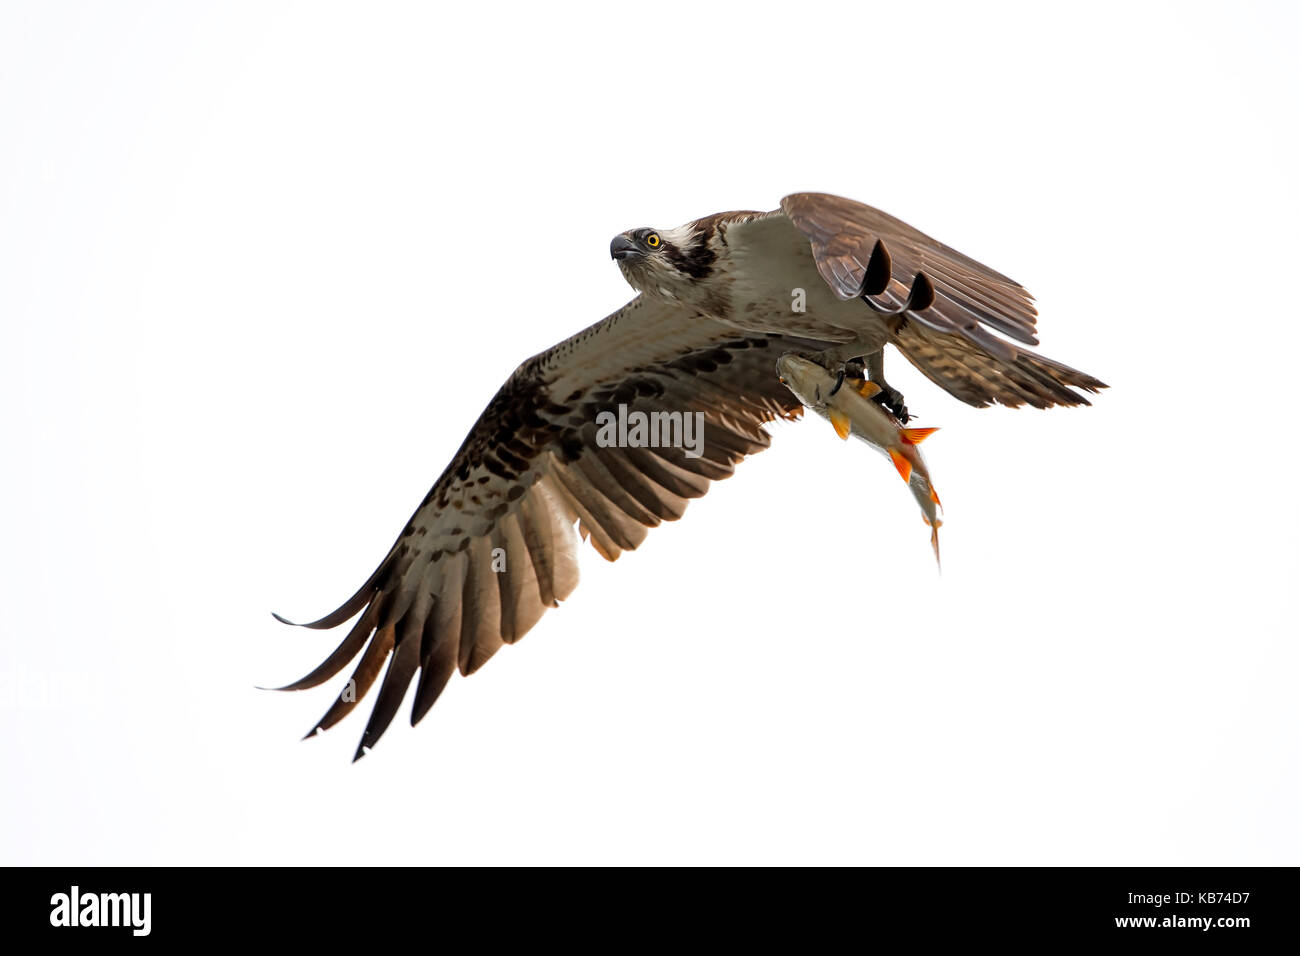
x: 621, y: 247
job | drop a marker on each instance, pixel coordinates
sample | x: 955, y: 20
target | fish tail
x: 934, y: 525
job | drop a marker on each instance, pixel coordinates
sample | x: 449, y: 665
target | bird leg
x: 860, y: 360
x: 888, y: 396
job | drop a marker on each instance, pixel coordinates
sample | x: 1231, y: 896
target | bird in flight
x: 720, y: 300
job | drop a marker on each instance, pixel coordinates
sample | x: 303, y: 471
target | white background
x: 261, y: 266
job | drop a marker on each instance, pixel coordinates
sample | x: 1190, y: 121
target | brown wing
x: 945, y: 302
x: 860, y: 250
x: 493, y: 544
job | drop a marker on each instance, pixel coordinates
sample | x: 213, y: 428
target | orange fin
x: 934, y: 496
x: 901, y: 463
x: 914, y: 436
x: 868, y: 389
x: 841, y: 422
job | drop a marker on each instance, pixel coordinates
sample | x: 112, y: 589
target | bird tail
x: 965, y: 371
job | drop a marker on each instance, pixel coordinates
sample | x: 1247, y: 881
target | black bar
x: 327, y: 906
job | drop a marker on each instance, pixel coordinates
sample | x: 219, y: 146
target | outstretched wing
x: 493, y: 544
x: 942, y: 304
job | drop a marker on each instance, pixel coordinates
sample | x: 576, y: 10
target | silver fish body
x: 847, y: 405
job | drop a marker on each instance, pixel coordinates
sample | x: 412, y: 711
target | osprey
x: 493, y: 544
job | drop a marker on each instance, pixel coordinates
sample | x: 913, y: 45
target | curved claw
x: 891, y: 399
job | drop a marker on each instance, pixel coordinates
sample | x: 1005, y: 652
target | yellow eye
x: 652, y: 241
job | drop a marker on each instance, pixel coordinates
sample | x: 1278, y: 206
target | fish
x: 846, y: 403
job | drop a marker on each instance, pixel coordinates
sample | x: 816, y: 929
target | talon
x: 891, y: 399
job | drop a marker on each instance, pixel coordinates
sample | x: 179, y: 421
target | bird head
x: 663, y: 262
